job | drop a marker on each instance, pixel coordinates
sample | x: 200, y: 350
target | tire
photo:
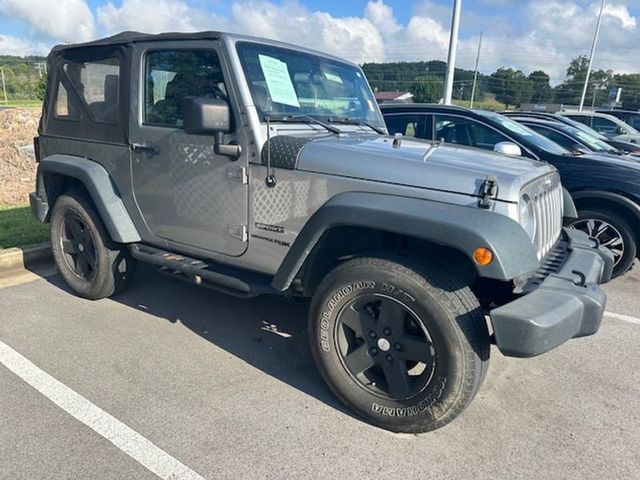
x: 610, y: 228
x: 405, y: 346
x: 89, y: 261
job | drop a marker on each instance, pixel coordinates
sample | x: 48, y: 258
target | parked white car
x: 606, y: 124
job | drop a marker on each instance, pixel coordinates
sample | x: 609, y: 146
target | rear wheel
x: 613, y: 232
x: 91, y: 264
x: 406, y: 347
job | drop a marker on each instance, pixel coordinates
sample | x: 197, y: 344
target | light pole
x: 453, y: 47
x: 475, y: 73
x: 593, y: 50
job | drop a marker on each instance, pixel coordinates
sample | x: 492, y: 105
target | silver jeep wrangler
x: 254, y: 167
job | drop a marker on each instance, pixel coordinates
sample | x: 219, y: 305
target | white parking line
x: 129, y: 441
x: 625, y: 318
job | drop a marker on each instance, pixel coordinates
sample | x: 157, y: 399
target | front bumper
x: 562, y: 300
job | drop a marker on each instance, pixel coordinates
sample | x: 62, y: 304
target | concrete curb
x: 16, y: 259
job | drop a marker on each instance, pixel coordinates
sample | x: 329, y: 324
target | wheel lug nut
x: 389, y: 357
x: 373, y: 350
x: 372, y: 334
x: 387, y: 331
x: 397, y: 346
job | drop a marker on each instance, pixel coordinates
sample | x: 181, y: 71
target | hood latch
x: 488, y: 190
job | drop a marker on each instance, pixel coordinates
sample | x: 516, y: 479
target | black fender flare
x: 462, y: 228
x: 97, y: 181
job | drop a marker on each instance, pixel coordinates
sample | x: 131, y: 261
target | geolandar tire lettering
x: 400, y: 342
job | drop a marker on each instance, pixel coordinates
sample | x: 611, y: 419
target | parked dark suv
x: 606, y: 189
x: 255, y: 167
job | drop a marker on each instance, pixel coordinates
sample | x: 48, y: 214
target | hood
x: 418, y: 163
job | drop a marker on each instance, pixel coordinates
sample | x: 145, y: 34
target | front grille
x: 546, y: 196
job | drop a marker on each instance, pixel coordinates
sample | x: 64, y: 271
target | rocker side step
x: 209, y: 274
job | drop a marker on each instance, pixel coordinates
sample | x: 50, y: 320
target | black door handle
x: 146, y: 150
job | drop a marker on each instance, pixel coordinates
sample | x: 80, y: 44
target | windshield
x: 286, y: 82
x: 590, y: 141
x: 583, y: 127
x: 525, y: 133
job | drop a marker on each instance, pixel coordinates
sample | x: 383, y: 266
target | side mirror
x: 206, y: 116
x: 210, y: 116
x: 508, y: 148
x: 620, y: 131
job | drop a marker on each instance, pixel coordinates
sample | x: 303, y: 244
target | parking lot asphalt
x: 227, y: 388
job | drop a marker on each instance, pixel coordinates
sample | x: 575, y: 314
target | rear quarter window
x: 97, y: 84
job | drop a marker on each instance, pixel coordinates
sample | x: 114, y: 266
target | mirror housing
x: 206, y: 116
x: 210, y: 116
x: 508, y: 148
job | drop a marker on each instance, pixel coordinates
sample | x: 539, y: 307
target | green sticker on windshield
x: 276, y: 74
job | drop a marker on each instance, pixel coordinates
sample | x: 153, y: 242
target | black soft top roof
x: 126, y: 38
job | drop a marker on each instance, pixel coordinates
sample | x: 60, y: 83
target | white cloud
x: 528, y: 35
x: 60, y: 20
x: 10, y: 45
x: 158, y: 16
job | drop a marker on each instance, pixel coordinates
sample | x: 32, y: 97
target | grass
x: 18, y: 227
x: 489, y: 102
x: 22, y: 103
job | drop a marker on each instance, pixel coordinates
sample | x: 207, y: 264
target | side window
x: 605, y: 126
x: 171, y: 75
x: 556, y: 137
x: 97, y: 83
x: 580, y: 118
x: 64, y: 108
x: 407, y: 125
x: 466, y: 132
x: 485, y: 137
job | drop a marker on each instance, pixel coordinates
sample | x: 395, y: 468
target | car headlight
x: 527, y: 218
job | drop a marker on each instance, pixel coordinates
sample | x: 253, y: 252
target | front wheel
x: 404, y: 345
x: 613, y: 232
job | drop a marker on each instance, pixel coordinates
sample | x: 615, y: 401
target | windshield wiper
x: 361, y: 123
x: 305, y: 119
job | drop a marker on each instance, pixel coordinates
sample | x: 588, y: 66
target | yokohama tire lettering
x: 412, y: 410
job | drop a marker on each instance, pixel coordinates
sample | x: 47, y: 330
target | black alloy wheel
x: 612, y: 231
x: 384, y: 347
x: 78, y: 246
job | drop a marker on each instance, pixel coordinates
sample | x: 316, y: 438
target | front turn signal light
x: 482, y: 256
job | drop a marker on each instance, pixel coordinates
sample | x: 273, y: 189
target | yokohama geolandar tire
x: 89, y: 261
x: 403, y: 344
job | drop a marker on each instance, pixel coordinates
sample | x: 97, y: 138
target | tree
x: 570, y: 91
x: 542, y: 92
x: 510, y: 86
x: 427, y: 89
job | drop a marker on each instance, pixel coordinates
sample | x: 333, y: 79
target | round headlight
x: 527, y: 218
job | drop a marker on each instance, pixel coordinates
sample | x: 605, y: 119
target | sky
x: 524, y: 34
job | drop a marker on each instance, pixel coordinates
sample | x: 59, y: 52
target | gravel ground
x: 17, y: 164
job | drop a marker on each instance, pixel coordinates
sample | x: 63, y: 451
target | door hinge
x: 238, y: 173
x: 239, y: 232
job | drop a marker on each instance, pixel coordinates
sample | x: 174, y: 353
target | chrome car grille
x: 546, y: 196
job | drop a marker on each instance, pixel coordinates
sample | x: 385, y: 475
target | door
x: 186, y: 193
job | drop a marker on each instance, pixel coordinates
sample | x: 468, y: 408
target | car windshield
x: 289, y: 83
x: 590, y: 141
x: 583, y: 127
x: 526, y: 134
